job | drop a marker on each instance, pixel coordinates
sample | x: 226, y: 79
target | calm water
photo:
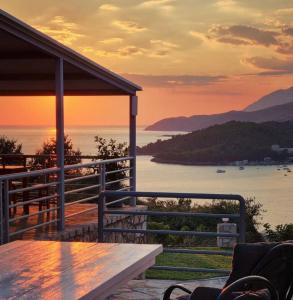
x: 266, y: 184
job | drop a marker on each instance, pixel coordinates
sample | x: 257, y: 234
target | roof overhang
x: 28, y: 63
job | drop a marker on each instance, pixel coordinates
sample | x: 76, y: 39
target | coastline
x: 210, y: 164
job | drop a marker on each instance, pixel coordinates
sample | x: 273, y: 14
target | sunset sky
x: 190, y: 56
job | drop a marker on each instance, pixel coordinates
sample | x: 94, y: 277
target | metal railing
x: 240, y: 217
x: 35, y: 194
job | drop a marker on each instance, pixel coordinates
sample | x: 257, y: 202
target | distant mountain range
x: 278, y: 97
x: 277, y: 106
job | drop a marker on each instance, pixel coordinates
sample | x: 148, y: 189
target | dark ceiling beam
x: 20, y: 55
x: 67, y: 92
x: 38, y: 77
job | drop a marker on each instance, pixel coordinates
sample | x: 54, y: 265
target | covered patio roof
x: 33, y: 64
x: 28, y: 65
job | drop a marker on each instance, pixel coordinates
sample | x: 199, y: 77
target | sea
x: 270, y: 185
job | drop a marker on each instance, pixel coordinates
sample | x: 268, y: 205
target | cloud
x: 165, y: 4
x: 61, y: 30
x: 129, y: 26
x: 233, y: 41
x: 130, y: 50
x: 174, y: 80
x: 273, y: 65
x: 248, y: 34
x: 109, y: 7
x: 112, y: 41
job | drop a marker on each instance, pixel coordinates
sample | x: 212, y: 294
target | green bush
x: 282, y: 232
x: 254, y: 212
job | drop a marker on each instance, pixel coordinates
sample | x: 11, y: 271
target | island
x: 227, y: 144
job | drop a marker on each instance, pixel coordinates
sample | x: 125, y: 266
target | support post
x: 132, y: 145
x: 59, y: 90
x: 5, y: 220
x: 101, y: 203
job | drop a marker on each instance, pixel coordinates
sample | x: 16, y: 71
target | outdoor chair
x: 261, y: 271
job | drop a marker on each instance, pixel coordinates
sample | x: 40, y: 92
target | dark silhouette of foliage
x: 47, y: 154
x: 254, y: 212
x: 9, y: 146
x: 110, y: 150
x: 224, y: 143
x: 282, y: 232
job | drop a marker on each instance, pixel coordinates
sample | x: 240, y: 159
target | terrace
x: 74, y: 202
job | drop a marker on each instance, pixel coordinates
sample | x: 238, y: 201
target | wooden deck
x: 64, y: 270
x: 90, y: 217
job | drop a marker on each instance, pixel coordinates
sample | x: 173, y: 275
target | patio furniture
x: 70, y: 270
x: 261, y: 271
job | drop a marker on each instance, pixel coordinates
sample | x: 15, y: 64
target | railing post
x: 5, y: 218
x: 59, y: 89
x: 242, y: 220
x: 101, y: 203
x: 1, y: 212
x: 132, y: 145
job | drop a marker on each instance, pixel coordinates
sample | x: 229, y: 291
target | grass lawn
x: 192, y: 261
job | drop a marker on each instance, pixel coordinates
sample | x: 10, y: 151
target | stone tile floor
x: 151, y: 289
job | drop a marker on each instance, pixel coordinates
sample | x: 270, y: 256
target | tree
x: 47, y: 154
x: 9, y: 146
x: 110, y: 150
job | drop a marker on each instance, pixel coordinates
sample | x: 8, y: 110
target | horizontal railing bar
x: 118, y: 180
x: 82, y: 189
x: 117, y: 201
x: 81, y: 212
x: 202, y: 196
x: 176, y: 214
x: 188, y: 269
x: 33, y: 214
x: 33, y: 227
x: 118, y: 171
x: 124, y: 189
x: 34, y: 200
x: 96, y: 163
x: 82, y: 200
x: 30, y: 174
x: 81, y: 178
x: 34, y: 187
x: 205, y: 252
x: 174, y: 232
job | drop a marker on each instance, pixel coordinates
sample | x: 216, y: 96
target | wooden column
x: 132, y: 143
x: 59, y: 89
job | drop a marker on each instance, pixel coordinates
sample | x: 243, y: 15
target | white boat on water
x: 221, y: 171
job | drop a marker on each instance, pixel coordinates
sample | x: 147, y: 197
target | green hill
x: 223, y: 144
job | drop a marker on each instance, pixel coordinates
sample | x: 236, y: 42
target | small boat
x: 221, y: 171
x: 241, y: 168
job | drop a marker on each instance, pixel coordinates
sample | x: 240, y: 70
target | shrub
x: 254, y: 212
x: 110, y: 150
x: 282, y: 232
x: 49, y: 149
x: 9, y: 146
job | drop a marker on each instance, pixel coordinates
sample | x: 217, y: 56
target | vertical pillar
x: 59, y: 90
x: 132, y: 144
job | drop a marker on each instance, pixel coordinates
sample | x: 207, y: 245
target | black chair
x: 261, y: 271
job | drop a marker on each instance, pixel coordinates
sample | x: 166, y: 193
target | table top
x: 70, y: 270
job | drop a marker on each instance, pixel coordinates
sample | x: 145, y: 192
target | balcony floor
x: 152, y: 289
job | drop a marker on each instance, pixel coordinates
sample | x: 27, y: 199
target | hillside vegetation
x: 222, y: 144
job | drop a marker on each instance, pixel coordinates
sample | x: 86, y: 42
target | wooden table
x: 70, y: 270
